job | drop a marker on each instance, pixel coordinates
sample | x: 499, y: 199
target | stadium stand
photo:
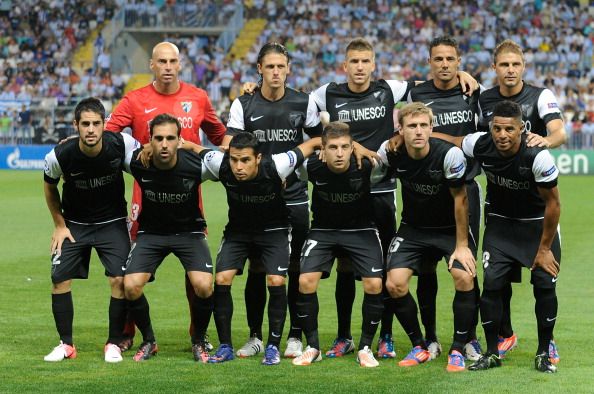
x: 38, y: 39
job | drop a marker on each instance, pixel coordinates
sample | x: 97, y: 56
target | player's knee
x: 62, y: 287
x: 462, y: 280
x: 396, y: 288
x: 117, y: 286
x: 372, y: 285
x: 307, y: 284
x: 132, y: 288
x: 275, y: 280
x: 224, y: 278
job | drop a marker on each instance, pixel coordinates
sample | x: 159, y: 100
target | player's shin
x: 63, y: 310
x: 372, y: 308
x: 546, y: 315
x: 491, y: 311
x: 201, y: 312
x: 117, y: 319
x: 255, y: 301
x: 464, y: 306
x: 277, y: 313
x: 405, y: 309
x: 345, y: 297
x: 307, y: 312
x: 140, y: 311
x: 223, y: 312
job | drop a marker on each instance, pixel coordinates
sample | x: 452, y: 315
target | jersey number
x: 395, y: 244
x: 309, y: 245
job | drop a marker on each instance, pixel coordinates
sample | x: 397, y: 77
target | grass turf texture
x: 28, y: 332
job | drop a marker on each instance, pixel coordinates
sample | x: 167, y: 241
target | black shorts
x: 362, y: 247
x: 273, y: 247
x: 150, y: 250
x: 509, y: 245
x: 418, y: 249
x: 110, y: 240
x: 384, y: 216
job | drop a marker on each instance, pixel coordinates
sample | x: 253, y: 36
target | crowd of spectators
x: 558, y: 38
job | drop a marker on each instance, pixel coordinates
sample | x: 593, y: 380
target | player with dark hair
x: 91, y: 213
x: 431, y: 172
x: 258, y: 224
x: 170, y: 222
x: 544, y: 126
x: 278, y: 116
x: 166, y: 94
x: 456, y: 114
x: 521, y: 227
x: 341, y: 226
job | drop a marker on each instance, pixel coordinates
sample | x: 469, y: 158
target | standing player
x: 91, y: 213
x: 166, y: 94
x: 543, y: 123
x: 258, y: 224
x: 342, y: 225
x: 278, y: 116
x: 456, y: 114
x: 170, y: 222
x: 521, y: 227
x: 434, y: 225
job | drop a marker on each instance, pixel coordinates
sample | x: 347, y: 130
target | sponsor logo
x: 461, y: 332
x: 208, y: 265
x: 553, y: 319
x: 253, y: 119
x: 552, y: 105
x: 554, y: 279
x: 282, y: 269
x: 14, y: 161
x: 148, y: 111
x: 318, y: 183
x: 301, y: 316
x: 76, y: 173
x: 487, y: 322
x: 340, y: 105
x: 373, y: 269
x: 186, y: 106
x: 145, y: 180
x: 400, y: 170
x: 457, y: 169
x: 292, y: 159
x: 274, y: 334
x: 489, y: 113
x: 549, y: 171
x: 375, y: 323
x: 429, y: 103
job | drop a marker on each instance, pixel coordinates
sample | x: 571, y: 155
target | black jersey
x: 339, y: 201
x: 170, y: 197
x: 370, y: 114
x: 454, y: 113
x: 512, y: 181
x: 539, y: 107
x: 93, y: 189
x: 426, y: 198
x: 258, y: 204
x: 279, y: 126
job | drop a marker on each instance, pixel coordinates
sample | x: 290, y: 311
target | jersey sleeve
x: 454, y: 166
x: 52, y: 170
x: 378, y: 172
x: 211, y: 164
x: 121, y: 117
x: 544, y: 169
x: 400, y: 89
x: 236, y: 121
x: 287, y: 162
x: 130, y: 143
x: 312, y: 119
x: 548, y: 107
x: 319, y: 96
x: 383, y: 153
x: 211, y: 124
x: 301, y: 171
x: 130, y: 155
x: 469, y: 142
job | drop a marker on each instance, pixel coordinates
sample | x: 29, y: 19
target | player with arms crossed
x: 91, y: 213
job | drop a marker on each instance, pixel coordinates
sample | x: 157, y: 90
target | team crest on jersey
x: 380, y: 95
x: 296, y: 119
x: 188, y: 184
x: 115, y: 163
x: 186, y: 106
x: 527, y: 110
x: 344, y: 116
x: 524, y: 171
x: 356, y: 183
x: 435, y: 175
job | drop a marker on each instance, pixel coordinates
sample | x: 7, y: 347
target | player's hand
x: 395, y: 143
x: 145, y: 155
x: 465, y: 256
x: 322, y: 156
x: 468, y: 83
x: 546, y: 261
x: 223, y: 148
x: 249, y: 87
x: 361, y: 152
x: 536, y: 140
x: 58, y: 237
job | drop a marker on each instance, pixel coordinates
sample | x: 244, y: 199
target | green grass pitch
x: 27, y: 330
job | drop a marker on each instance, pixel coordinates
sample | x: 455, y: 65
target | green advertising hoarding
x: 574, y: 162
